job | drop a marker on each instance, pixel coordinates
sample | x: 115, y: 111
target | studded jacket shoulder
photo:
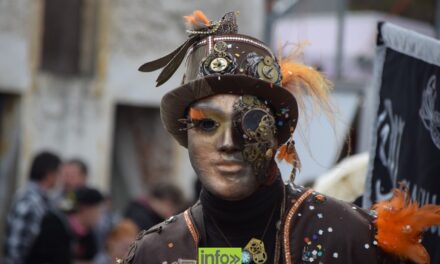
x: 326, y: 230
x: 314, y: 229
x: 168, y: 242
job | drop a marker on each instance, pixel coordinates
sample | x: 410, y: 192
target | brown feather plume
x: 400, y: 224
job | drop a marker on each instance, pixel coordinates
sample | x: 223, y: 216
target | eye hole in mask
x: 206, y: 124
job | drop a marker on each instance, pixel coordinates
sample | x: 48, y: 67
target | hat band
x: 230, y: 38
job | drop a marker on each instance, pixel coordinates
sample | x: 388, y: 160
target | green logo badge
x: 219, y: 255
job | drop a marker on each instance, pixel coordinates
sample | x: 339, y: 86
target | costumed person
x: 235, y: 112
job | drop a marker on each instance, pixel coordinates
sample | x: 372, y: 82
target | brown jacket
x: 314, y: 229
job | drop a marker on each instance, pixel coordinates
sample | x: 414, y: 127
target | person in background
x: 53, y: 244
x: 118, y: 242
x: 29, y: 207
x: 82, y: 220
x: 105, y: 224
x: 74, y: 175
x: 163, y: 201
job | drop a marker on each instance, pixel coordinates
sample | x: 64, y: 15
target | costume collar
x: 232, y: 215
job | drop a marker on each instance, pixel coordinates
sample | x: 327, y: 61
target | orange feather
x: 306, y: 84
x: 301, y: 80
x: 400, y: 224
x: 196, y: 114
x: 197, y: 20
x: 288, y: 153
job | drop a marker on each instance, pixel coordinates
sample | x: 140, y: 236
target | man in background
x: 163, y: 201
x: 29, y: 206
x: 74, y: 175
x: 69, y: 238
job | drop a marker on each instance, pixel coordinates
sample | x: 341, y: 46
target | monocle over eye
x: 251, y: 120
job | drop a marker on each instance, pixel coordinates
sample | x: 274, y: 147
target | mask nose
x: 229, y: 142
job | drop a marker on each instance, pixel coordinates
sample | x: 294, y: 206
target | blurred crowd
x: 57, y: 218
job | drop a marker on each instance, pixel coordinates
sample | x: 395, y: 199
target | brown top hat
x: 221, y: 61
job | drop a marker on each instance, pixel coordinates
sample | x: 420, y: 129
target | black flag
x: 406, y: 140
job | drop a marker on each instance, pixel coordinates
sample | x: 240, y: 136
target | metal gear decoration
x: 264, y: 68
x: 218, y: 62
x: 267, y: 70
x: 256, y: 123
x: 257, y: 250
x: 250, y: 152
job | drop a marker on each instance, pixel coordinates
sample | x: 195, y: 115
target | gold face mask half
x: 254, y: 120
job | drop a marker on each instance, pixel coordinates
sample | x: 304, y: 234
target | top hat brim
x: 175, y: 104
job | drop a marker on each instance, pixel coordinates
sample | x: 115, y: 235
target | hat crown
x: 231, y: 54
x: 221, y: 50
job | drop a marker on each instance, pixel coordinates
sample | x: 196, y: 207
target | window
x: 69, y: 36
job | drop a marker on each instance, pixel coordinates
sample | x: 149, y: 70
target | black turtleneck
x: 242, y: 220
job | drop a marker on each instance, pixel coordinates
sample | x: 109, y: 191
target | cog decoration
x: 254, y: 120
x: 218, y: 62
x: 256, y: 248
x: 264, y: 68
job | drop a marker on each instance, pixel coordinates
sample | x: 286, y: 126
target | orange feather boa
x: 400, y: 224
